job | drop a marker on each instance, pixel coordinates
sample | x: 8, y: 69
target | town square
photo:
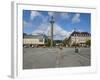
x: 56, y: 39
x: 35, y: 58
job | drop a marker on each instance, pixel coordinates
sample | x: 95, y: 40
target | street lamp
x: 52, y: 23
x: 76, y: 49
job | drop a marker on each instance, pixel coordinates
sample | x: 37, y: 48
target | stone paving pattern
x: 36, y: 58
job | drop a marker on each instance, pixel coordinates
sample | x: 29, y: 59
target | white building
x: 38, y: 40
x: 79, y: 38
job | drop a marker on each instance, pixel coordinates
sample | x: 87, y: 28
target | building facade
x: 79, y: 38
x: 34, y: 40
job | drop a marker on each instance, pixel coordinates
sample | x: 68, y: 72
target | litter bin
x: 76, y: 50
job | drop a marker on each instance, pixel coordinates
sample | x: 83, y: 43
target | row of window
x: 82, y: 35
x: 32, y: 41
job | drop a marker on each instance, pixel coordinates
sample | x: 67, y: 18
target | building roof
x: 80, y: 33
x: 35, y: 36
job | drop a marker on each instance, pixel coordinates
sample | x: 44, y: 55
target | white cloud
x: 51, y: 13
x: 80, y: 30
x: 58, y: 15
x: 42, y: 29
x: 27, y: 24
x: 76, y: 18
x: 24, y: 23
x: 59, y: 33
x: 34, y: 14
x: 64, y: 15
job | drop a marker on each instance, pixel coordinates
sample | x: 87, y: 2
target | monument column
x: 52, y: 23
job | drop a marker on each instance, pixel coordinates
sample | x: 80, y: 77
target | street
x: 36, y: 58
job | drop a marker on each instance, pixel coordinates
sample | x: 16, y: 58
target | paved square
x: 35, y: 58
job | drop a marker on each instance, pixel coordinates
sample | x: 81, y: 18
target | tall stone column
x: 52, y: 23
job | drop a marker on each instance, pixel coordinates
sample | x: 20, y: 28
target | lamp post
x: 76, y: 49
x: 75, y: 37
x: 52, y: 23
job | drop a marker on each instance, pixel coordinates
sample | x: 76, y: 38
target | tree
x: 88, y: 42
x: 66, y: 42
x: 24, y: 34
x: 48, y: 42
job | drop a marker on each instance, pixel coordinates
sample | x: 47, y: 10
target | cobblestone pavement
x: 35, y: 58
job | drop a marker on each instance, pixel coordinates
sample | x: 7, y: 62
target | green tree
x: 88, y: 42
x: 66, y: 42
x: 48, y: 42
x: 24, y: 34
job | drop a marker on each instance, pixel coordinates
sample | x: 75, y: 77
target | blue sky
x: 35, y: 22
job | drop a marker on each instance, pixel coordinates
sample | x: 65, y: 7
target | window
x: 40, y: 40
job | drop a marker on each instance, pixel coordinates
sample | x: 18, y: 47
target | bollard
x: 76, y: 50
